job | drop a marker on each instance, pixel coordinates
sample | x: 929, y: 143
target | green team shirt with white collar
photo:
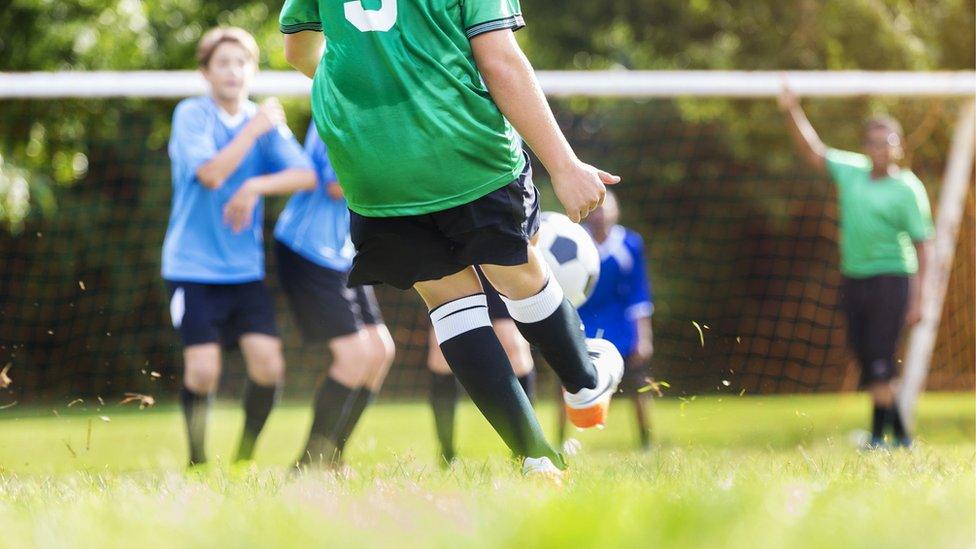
x: 410, y: 126
x: 880, y: 219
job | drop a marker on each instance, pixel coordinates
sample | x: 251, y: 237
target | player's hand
x: 581, y: 189
x: 914, y: 314
x: 787, y: 99
x: 269, y: 115
x: 334, y: 191
x: 643, y: 353
x: 239, y: 210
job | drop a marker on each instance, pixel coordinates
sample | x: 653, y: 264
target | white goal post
x: 641, y: 84
x: 744, y: 84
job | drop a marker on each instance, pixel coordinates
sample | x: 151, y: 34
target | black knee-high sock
x: 527, y: 382
x: 478, y: 360
x: 551, y: 324
x: 897, y: 425
x: 258, y: 402
x: 331, y: 398
x: 360, y: 401
x: 443, y: 401
x: 878, y: 421
x: 196, y: 413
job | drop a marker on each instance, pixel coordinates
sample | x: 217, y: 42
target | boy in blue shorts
x: 314, y: 256
x: 621, y: 305
x: 226, y: 154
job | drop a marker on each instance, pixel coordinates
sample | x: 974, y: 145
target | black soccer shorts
x: 875, y: 309
x: 401, y: 251
x: 323, y: 307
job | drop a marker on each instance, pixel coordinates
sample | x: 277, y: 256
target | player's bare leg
x: 265, y: 373
x: 201, y: 374
x: 589, y: 370
x: 459, y: 314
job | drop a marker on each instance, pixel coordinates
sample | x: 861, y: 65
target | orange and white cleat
x: 588, y: 408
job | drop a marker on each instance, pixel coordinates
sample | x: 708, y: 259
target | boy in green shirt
x: 885, y: 227
x: 417, y: 102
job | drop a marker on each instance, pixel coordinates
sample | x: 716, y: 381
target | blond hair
x: 214, y: 37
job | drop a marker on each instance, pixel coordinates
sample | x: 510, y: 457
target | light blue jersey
x: 199, y: 246
x: 313, y: 224
x: 623, y: 293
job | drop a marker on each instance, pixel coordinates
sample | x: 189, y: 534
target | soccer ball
x: 571, y: 254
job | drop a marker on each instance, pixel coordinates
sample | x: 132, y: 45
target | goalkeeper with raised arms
x: 885, y: 227
x: 417, y: 102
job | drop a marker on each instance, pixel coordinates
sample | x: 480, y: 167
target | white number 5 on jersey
x: 380, y: 20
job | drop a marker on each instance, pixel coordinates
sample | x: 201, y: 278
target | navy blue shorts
x: 492, y: 230
x: 323, y: 306
x: 220, y: 313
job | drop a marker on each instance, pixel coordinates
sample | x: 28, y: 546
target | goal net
x: 741, y: 237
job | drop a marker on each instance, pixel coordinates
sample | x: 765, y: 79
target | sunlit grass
x: 740, y: 472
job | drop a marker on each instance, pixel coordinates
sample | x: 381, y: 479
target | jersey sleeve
x: 192, y: 139
x: 317, y: 152
x: 282, y: 151
x: 640, y: 302
x: 481, y: 16
x: 843, y: 165
x: 300, y: 15
x: 916, y: 213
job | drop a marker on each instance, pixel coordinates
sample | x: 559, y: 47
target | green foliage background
x: 707, y: 179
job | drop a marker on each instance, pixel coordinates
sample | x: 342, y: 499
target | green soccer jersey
x: 880, y: 219
x: 410, y: 126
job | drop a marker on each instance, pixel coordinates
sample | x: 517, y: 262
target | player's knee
x: 351, y: 360
x: 202, y: 369
x: 264, y: 358
x: 519, y: 281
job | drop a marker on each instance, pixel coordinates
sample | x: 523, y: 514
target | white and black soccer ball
x: 571, y: 254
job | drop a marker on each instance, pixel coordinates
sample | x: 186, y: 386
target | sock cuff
x: 538, y: 307
x: 459, y: 316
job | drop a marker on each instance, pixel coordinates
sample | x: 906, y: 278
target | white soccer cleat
x: 589, y: 407
x: 542, y: 467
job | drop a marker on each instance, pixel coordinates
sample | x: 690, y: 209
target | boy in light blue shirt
x: 226, y: 153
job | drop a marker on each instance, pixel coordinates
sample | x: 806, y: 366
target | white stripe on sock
x: 459, y: 316
x: 538, y: 307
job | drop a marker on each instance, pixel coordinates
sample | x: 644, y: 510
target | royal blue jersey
x: 313, y: 224
x: 623, y: 292
x: 199, y: 246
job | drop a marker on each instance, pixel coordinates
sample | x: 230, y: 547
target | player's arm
x: 215, y: 171
x: 805, y: 137
x: 303, y: 50
x: 514, y: 88
x: 645, y: 340
x: 239, y: 210
x: 916, y: 288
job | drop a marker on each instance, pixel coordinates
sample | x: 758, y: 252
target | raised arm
x: 514, y: 88
x: 303, y: 50
x: 807, y: 142
x: 215, y: 171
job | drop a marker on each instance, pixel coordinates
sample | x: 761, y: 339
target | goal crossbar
x: 621, y: 83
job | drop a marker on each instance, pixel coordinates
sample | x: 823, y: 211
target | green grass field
x: 726, y: 472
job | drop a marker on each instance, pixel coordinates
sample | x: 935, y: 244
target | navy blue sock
x: 196, y: 414
x: 258, y: 402
x: 443, y: 402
